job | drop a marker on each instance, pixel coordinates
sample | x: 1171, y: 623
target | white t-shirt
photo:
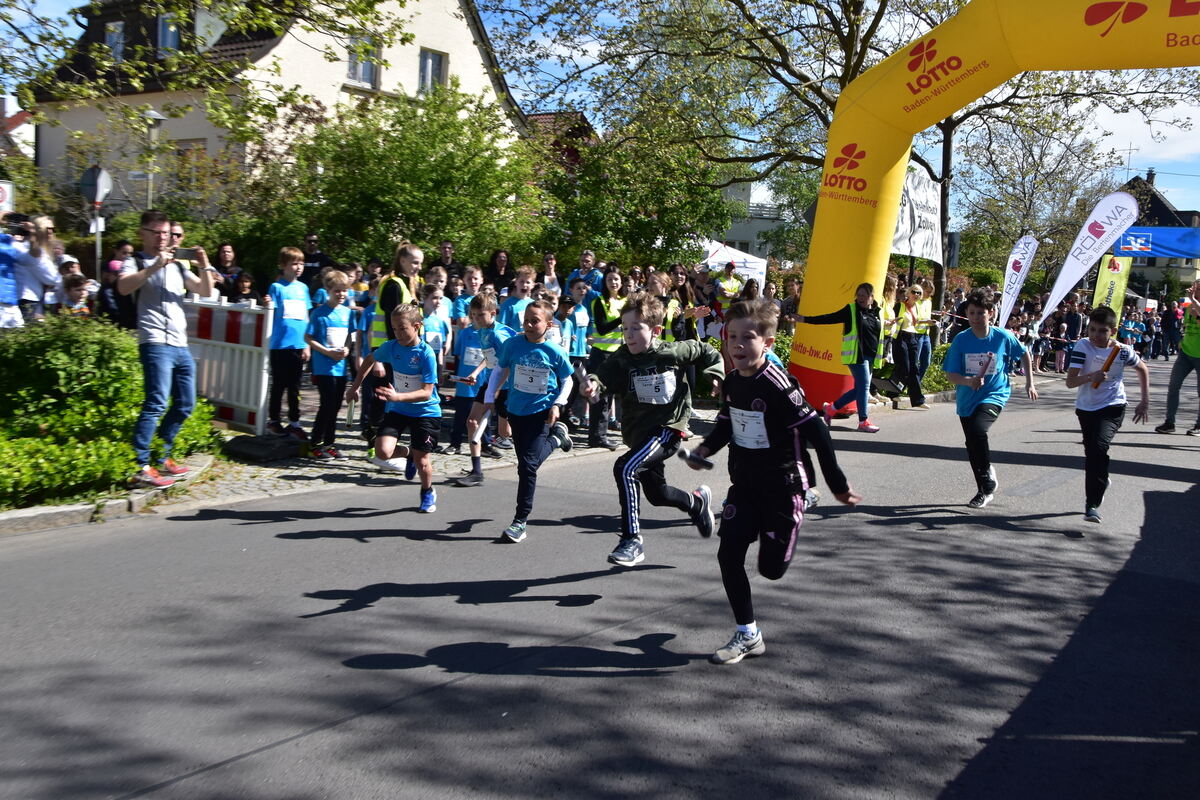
x: 1089, y: 358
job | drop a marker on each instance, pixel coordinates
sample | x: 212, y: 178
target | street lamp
x: 154, y: 121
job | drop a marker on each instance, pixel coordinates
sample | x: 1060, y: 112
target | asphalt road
x: 339, y: 645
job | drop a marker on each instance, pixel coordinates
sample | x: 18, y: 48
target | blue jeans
x: 167, y: 372
x: 861, y: 372
x: 924, y: 354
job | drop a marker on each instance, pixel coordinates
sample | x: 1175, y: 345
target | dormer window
x: 168, y: 35
x: 114, y: 39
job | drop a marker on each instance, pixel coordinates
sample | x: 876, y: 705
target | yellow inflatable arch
x: 877, y: 115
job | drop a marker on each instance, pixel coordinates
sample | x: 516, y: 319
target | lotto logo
x: 850, y: 159
x: 923, y: 61
x: 1127, y: 11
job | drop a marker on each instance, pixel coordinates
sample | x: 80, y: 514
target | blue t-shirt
x: 291, y: 303
x: 330, y: 327
x: 437, y: 331
x: 462, y: 306
x: 493, y: 339
x: 535, y: 374
x: 468, y: 350
x: 581, y: 320
x: 967, y: 355
x: 512, y: 312
x: 774, y: 359
x: 594, y: 277
x: 412, y: 368
x: 366, y: 317
x: 321, y: 296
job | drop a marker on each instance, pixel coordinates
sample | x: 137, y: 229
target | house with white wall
x: 447, y: 39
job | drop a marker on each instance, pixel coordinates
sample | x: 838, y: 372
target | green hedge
x: 935, y: 378
x: 70, y: 393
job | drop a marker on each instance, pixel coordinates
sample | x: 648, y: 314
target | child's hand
x: 469, y: 380
x: 387, y: 393
x: 305, y: 355
x: 849, y: 497
x: 1141, y: 413
x: 378, y: 371
x: 716, y: 388
x: 351, y: 393
x: 340, y: 353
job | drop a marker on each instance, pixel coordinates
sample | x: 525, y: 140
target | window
x: 362, y: 70
x: 114, y: 39
x: 168, y: 35
x: 433, y: 71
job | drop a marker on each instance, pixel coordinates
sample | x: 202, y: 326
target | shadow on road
x: 452, y: 533
x: 557, y: 661
x: 1118, y: 712
x: 246, y: 516
x: 468, y: 592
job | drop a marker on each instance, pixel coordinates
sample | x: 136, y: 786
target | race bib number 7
x: 749, y: 429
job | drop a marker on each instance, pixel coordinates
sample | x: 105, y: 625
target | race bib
x: 434, y: 340
x: 976, y: 363
x: 749, y: 429
x: 489, y: 355
x: 581, y: 318
x: 406, y: 383
x: 472, y: 356
x: 294, y: 308
x: 531, y: 380
x: 554, y: 334
x: 655, y: 390
x: 335, y: 338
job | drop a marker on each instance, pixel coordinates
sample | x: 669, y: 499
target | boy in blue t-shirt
x: 977, y: 363
x: 512, y: 310
x: 537, y: 375
x: 328, y: 334
x: 436, y: 327
x: 491, y: 336
x: 468, y: 354
x: 412, y: 402
x: 460, y: 311
x: 289, y: 353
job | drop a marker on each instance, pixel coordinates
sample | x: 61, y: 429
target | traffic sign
x: 6, y: 196
x: 96, y: 184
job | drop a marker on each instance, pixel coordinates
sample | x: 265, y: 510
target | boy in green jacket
x: 649, y: 376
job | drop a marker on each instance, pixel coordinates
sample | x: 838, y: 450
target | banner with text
x: 919, y: 223
x: 1020, y: 261
x: 1111, y: 283
x: 1111, y: 217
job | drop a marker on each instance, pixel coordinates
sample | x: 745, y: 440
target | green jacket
x: 653, y: 386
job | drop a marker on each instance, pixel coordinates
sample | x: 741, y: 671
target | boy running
x: 650, y: 378
x: 289, y: 353
x: 491, y: 336
x: 412, y: 402
x: 977, y: 362
x: 764, y: 419
x: 1097, y: 368
x: 328, y: 334
x: 537, y: 375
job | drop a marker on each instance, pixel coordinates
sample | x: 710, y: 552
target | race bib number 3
x: 531, y: 380
x: 655, y: 390
x: 406, y: 383
x: 749, y: 429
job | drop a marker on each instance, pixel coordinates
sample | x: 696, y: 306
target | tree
x: 43, y: 56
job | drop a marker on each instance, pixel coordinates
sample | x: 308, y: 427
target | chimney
x: 1150, y: 176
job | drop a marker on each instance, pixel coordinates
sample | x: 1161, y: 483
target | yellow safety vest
x: 673, y: 309
x: 379, y: 333
x: 850, y: 342
x: 609, y: 342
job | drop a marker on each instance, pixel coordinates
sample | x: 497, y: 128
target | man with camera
x: 17, y: 249
x: 161, y: 282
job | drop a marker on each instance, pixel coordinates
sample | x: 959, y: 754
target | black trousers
x: 774, y: 522
x: 643, y: 466
x: 533, y: 446
x: 287, y: 370
x: 907, y: 352
x: 975, y: 428
x: 1098, y: 428
x: 331, y: 389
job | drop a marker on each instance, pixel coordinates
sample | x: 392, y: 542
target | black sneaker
x: 980, y: 500
x: 1092, y: 514
x: 490, y: 452
x: 502, y: 442
x: 471, y: 479
x: 628, y: 552
x: 703, y: 515
x: 1194, y: 431
x: 1166, y: 427
x: 454, y: 450
x: 275, y: 428
x: 607, y: 444
x: 560, y: 437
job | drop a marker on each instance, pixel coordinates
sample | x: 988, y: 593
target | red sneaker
x: 171, y: 468
x: 335, y: 453
x: 321, y: 453
x: 149, y: 478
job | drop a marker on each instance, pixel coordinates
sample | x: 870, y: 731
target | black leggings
x: 774, y: 522
x: 975, y: 427
x: 1098, y: 428
x: 331, y: 390
x: 287, y: 369
x: 643, y: 465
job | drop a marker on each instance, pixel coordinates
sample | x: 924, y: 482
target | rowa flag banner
x: 919, y: 223
x: 1111, y: 217
x: 1020, y: 261
x: 1111, y: 283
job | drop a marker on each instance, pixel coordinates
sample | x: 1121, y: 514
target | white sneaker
x: 742, y: 645
x: 388, y: 464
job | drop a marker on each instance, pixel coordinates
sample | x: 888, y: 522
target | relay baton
x: 1112, y: 356
x: 694, y: 460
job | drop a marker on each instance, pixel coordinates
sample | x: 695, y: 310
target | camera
x: 16, y: 223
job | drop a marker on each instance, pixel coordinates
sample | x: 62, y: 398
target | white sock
x: 751, y: 629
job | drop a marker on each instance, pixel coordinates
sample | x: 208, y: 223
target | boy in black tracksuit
x: 649, y: 377
x: 765, y: 420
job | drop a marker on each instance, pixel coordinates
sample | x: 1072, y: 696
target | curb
x: 40, y: 518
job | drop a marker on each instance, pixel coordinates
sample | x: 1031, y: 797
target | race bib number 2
x: 406, y: 383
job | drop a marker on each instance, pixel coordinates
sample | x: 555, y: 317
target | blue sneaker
x: 410, y: 469
x: 514, y: 533
x: 628, y: 552
x: 428, y: 501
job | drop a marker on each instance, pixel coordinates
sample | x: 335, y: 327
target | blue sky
x: 1176, y: 158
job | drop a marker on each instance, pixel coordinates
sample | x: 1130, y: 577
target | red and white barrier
x: 231, y: 347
